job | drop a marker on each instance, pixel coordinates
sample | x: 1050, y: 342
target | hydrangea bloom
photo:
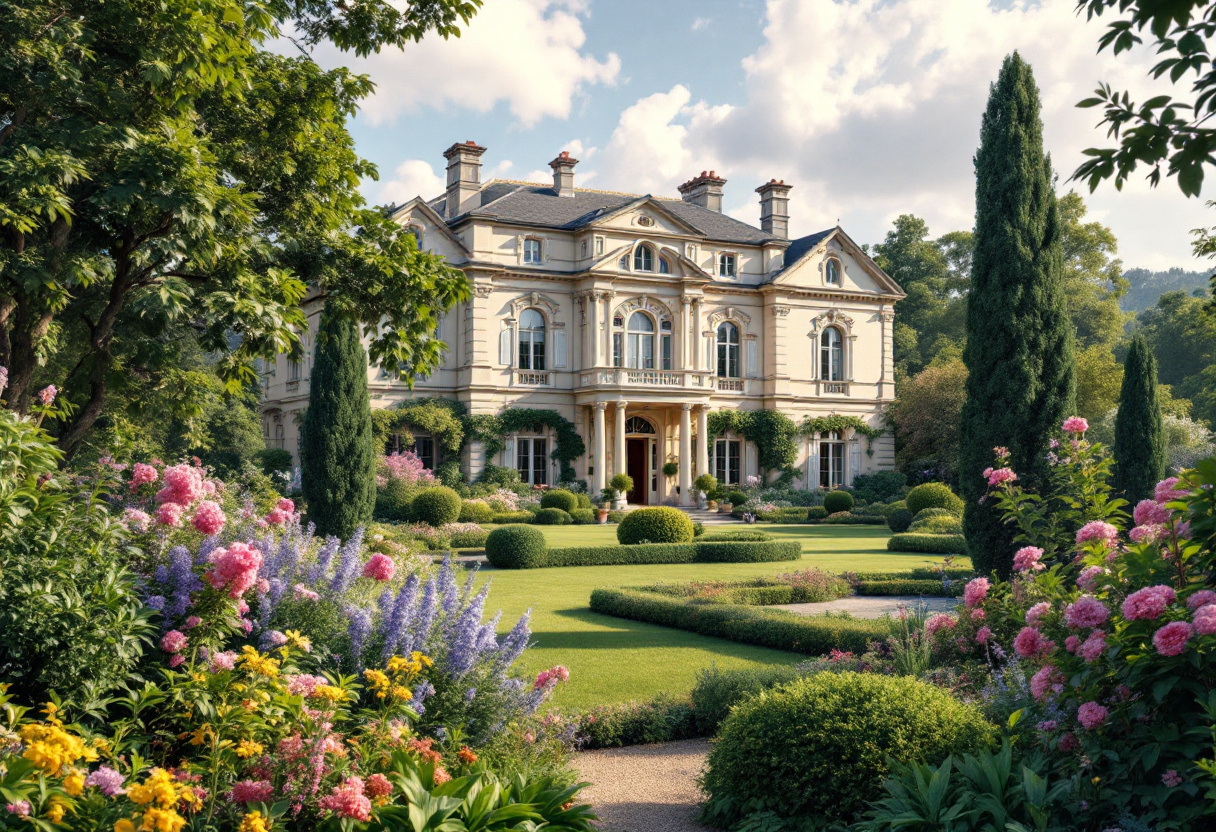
x: 1097, y: 530
x: 1171, y: 639
x: 983, y: 634
x: 223, y: 661
x: 1026, y: 559
x: 142, y: 473
x: 1029, y: 642
x: 1093, y: 647
x: 1165, y: 491
x: 1047, y: 680
x: 173, y: 641
x: 234, y: 567
x: 1088, y: 579
x: 1145, y: 534
x: 1171, y: 778
x: 287, y: 504
x: 1086, y: 612
x: 975, y: 592
x: 278, y: 517
x: 996, y: 476
x: 1150, y: 512
x: 183, y: 485
x: 1035, y: 614
x: 939, y: 622
x: 47, y: 394
x: 379, y: 567
x: 107, y: 780
x: 1201, y: 599
x: 1147, y: 603
x: 1091, y: 715
x: 169, y: 514
x: 136, y: 520
x: 348, y: 800
x: 1205, y: 620
x: 1072, y: 643
x: 209, y: 518
x: 1075, y: 424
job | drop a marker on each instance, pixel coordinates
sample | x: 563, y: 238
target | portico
x: 643, y: 436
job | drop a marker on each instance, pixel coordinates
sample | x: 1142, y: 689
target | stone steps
x: 710, y: 518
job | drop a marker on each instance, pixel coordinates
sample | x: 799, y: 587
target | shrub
x: 662, y: 719
x: 848, y: 518
x: 559, y: 498
x: 616, y: 516
x: 897, y: 505
x: 837, y: 733
x: 899, y: 521
x: 741, y: 552
x: 516, y: 547
x: 698, y: 528
x: 655, y: 525
x: 815, y: 513
x: 707, y: 483
x: 879, y: 486
x: 936, y: 521
x: 394, y: 501
x: 622, y: 484
x: 621, y: 555
x: 436, y: 506
x: 735, y: 498
x: 933, y: 495
x: 275, y: 461
x: 583, y: 516
x: 737, y: 535
x: 931, y: 588
x: 512, y: 517
x: 552, y: 517
x: 718, y: 691
x: 476, y: 511
x: 941, y: 544
x: 468, y: 539
x: 835, y: 501
x: 583, y: 500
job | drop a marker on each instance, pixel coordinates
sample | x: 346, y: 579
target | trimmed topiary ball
x: 436, y: 506
x: 583, y: 501
x: 476, y: 511
x: 655, y: 525
x: 552, y: 517
x: 933, y: 495
x: 559, y: 498
x: 516, y: 547
x: 583, y: 516
x: 835, y: 501
x: 735, y: 498
x: 899, y: 520
x: 835, y: 733
x: 937, y: 521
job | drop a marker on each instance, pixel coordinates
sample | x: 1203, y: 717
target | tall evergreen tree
x: 337, y: 458
x: 1139, y: 434
x: 1019, y: 350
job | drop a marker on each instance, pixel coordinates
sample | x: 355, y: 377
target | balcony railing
x: 625, y: 377
x: 834, y: 388
x: 532, y: 378
x: 730, y: 385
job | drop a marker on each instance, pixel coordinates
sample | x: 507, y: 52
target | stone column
x: 703, y: 440
x: 606, y: 323
x: 688, y: 338
x: 601, y: 448
x: 686, y: 455
x: 622, y: 464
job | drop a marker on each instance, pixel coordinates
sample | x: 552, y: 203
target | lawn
x: 614, y: 660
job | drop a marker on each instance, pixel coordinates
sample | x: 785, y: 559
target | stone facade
x: 634, y: 317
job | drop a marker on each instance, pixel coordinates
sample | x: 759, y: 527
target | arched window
x: 640, y: 342
x: 831, y: 272
x: 636, y: 424
x: 643, y: 259
x: 831, y: 355
x: 728, y: 350
x: 531, y: 340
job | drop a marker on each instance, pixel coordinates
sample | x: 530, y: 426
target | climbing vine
x: 771, y: 431
x: 836, y: 422
x: 443, y: 419
x: 492, y: 430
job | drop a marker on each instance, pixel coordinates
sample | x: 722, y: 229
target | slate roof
x: 539, y: 205
x: 799, y: 248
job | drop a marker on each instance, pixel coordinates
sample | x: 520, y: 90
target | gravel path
x: 869, y: 606
x: 645, y: 788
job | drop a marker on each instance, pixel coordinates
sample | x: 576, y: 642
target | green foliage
x: 475, y: 511
x: 436, y: 506
x: 513, y: 517
x: 491, y: 430
x: 936, y: 521
x: 337, y: 458
x: 839, y: 423
x: 559, y: 498
x: 516, y: 547
x: 584, y: 516
x: 583, y: 501
x: 661, y: 524
x: 848, y: 518
x: 706, y: 483
x: 469, y: 540
x: 1181, y: 330
x: 734, y: 534
x: 735, y: 498
x: 621, y: 483
x: 1139, y: 449
x: 933, y: 495
x: 552, y: 517
x: 925, y: 416
x: 670, y: 469
x: 940, y: 544
x: 838, y: 733
x: 394, y: 502
x: 771, y: 431
x: 1019, y: 350
x: 744, y: 552
x: 816, y: 513
x: 717, y: 692
x: 662, y: 719
x: 927, y: 587
x: 879, y: 486
x: 275, y: 461
x: 899, y: 521
x: 835, y: 501
x: 732, y: 551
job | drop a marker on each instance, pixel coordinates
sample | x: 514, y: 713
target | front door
x: 635, y: 454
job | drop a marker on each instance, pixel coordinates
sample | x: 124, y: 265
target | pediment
x: 858, y: 273
x: 436, y: 236
x: 644, y: 217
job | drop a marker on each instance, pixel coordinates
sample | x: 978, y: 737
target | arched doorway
x: 641, y: 453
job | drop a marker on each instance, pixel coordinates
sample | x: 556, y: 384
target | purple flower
x: 360, y: 629
x: 107, y: 780
x: 350, y: 564
x: 397, y: 622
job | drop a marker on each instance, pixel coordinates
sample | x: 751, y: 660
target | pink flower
x: 209, y: 518
x: 107, y: 780
x: 1047, y: 680
x: 975, y: 592
x: 136, y: 520
x: 169, y: 514
x: 235, y: 568
x: 1094, y: 647
x: 1072, y: 643
x: 1205, y: 620
x: 1091, y: 715
x: 1098, y: 530
x: 1171, y: 639
x: 223, y: 661
x: 379, y: 786
x: 379, y: 568
x: 1150, y: 513
x: 286, y: 505
x: 983, y: 634
x: 252, y: 791
x: 978, y: 614
x: 1026, y: 559
x: 1147, y: 603
x: 1145, y: 534
x: 1030, y: 642
x: 183, y: 485
x: 1088, y: 579
x: 1086, y: 612
x: 20, y: 808
x: 262, y: 585
x: 1075, y: 424
x: 939, y: 622
x: 303, y: 684
x: 999, y: 475
x: 142, y: 473
x: 302, y: 593
x: 1036, y: 613
x: 1201, y: 599
x: 1165, y: 491
x: 173, y: 641
x: 47, y: 394
x: 1068, y: 742
x: 278, y: 517
x: 1171, y: 778
x: 176, y: 659
x: 348, y: 800
x: 192, y: 622
x: 246, y: 626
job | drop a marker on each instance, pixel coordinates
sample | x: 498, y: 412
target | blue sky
x: 870, y: 108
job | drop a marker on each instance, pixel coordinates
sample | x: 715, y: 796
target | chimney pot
x: 464, y: 178
x: 563, y: 173
x: 775, y: 208
x: 704, y: 190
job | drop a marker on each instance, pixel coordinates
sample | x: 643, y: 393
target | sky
x: 869, y: 108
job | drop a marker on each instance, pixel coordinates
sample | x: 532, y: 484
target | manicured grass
x: 613, y: 660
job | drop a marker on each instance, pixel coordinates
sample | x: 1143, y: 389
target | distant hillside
x: 1147, y: 286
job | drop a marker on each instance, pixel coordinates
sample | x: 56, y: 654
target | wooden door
x: 635, y: 454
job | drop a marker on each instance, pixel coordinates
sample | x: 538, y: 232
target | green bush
x: 661, y: 524
x: 436, y: 506
x: 941, y: 544
x: 552, y: 517
x: 583, y: 501
x: 735, y: 498
x: 696, y: 552
x: 933, y: 495
x: 616, y: 516
x: 734, y: 534
x: 815, y: 513
x: 718, y: 691
x: 583, y: 516
x: 837, y: 734
x: 920, y: 573
x: 512, y: 517
x: 879, y: 486
x: 559, y: 498
x: 848, y: 518
x: 394, y: 502
x: 742, y: 552
x: 899, y: 521
x: 835, y: 501
x: 449, y: 473
x: 476, y: 511
x: 931, y: 588
x: 936, y: 521
x: 622, y: 484
x: 898, y: 505
x: 662, y: 719
x: 275, y: 461
x: 469, y: 540
x: 516, y: 547
x: 707, y: 483
x: 698, y: 529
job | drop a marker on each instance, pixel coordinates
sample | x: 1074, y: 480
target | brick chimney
x: 775, y: 208
x: 464, y: 177
x: 563, y: 173
x: 704, y: 190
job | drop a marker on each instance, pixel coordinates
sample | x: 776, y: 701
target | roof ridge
x: 550, y: 187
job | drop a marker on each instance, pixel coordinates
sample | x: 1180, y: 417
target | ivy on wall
x: 493, y: 429
x: 443, y: 419
x: 828, y: 424
x: 771, y: 431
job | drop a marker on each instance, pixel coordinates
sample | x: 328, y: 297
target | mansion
x: 635, y: 317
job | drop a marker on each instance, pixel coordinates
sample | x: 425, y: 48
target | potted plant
x: 670, y: 469
x: 712, y: 505
x: 621, y: 484
x: 705, y: 485
x: 605, y: 506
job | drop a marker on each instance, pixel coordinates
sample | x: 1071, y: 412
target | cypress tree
x: 1020, y: 383
x: 337, y: 458
x: 1139, y: 435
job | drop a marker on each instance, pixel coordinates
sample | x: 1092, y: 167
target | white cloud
x: 527, y: 54
x: 701, y: 23
x: 417, y: 177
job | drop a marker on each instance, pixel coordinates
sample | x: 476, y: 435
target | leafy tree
x: 925, y: 415
x: 1182, y: 335
x: 164, y: 170
x: 1019, y: 339
x: 1139, y: 449
x: 337, y: 454
x: 1093, y: 277
x: 1099, y: 376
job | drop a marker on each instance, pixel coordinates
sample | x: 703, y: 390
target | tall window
x: 665, y: 344
x: 532, y: 460
x: 643, y: 259
x: 726, y: 461
x: 831, y: 355
x: 831, y: 272
x: 640, y: 342
x: 293, y: 367
x: 531, y: 340
x: 531, y: 251
x: 726, y: 265
x: 831, y: 461
x: 728, y: 350
x: 618, y: 341
x: 424, y: 447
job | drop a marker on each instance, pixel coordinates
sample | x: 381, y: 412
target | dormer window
x: 727, y: 266
x: 664, y: 266
x: 531, y: 251
x: 831, y: 272
x: 643, y: 259
x: 623, y: 263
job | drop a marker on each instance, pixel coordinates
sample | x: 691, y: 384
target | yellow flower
x: 162, y: 820
x: 401, y: 692
x: 333, y: 694
x: 253, y: 822
x: 199, y: 735
x: 298, y: 640
x: 55, y: 813
x: 124, y: 825
x: 49, y: 747
x: 191, y: 798
x: 50, y: 709
x: 73, y: 784
x: 378, y: 682
x: 255, y: 662
x: 249, y: 748
x: 158, y: 788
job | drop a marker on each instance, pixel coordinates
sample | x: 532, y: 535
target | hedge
x: 933, y: 495
x: 713, y: 551
x: 845, y: 518
x: 552, y: 517
x: 919, y: 573
x: 781, y: 630
x: 516, y: 547
x: 583, y: 516
x: 559, y: 498
x: 835, y: 501
x: 661, y: 524
x: 943, y: 544
x: 728, y: 551
x: 512, y: 517
x: 935, y: 589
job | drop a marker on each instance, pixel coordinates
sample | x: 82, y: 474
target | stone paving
x: 869, y: 606
x: 645, y: 788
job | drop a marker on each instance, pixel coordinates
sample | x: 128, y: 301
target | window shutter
x: 559, y: 348
x: 504, y: 347
x: 751, y: 357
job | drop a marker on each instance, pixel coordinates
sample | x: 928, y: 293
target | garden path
x: 644, y: 788
x: 871, y: 606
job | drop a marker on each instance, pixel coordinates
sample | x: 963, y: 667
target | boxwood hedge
x: 931, y: 588
x: 559, y: 498
x: 944, y: 544
x: 516, y: 547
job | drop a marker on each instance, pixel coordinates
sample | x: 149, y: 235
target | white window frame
x: 831, y: 461
x: 737, y: 345
x: 827, y: 272
x: 534, y: 251
x: 635, y: 341
x: 722, y: 460
x: 826, y: 364
x: 529, y: 356
x: 532, y: 473
x: 725, y: 258
x: 640, y: 253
